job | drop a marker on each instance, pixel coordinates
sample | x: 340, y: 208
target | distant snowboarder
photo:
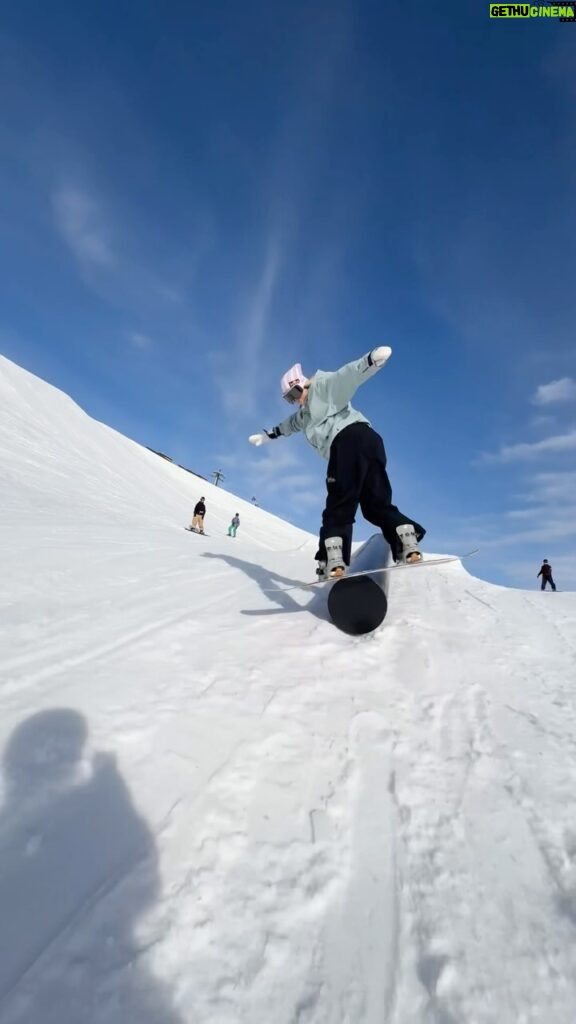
x: 356, y: 460
x: 234, y: 525
x: 546, y: 574
x: 198, y: 518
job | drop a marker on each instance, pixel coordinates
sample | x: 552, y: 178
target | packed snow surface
x: 217, y: 809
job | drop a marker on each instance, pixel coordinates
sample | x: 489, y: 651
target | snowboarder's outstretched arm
x: 339, y: 387
x: 288, y: 426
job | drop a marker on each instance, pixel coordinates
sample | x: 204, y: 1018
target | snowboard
x: 357, y: 604
x: 190, y: 530
x: 400, y: 567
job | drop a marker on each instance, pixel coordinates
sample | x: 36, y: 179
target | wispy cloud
x: 79, y: 222
x: 288, y: 176
x: 140, y: 341
x: 238, y: 376
x: 557, y: 487
x: 554, y: 527
x: 543, y: 516
x: 281, y: 476
x: 505, y: 532
x: 524, y: 451
x: 550, y: 506
x: 562, y: 390
x: 542, y: 421
x: 103, y: 249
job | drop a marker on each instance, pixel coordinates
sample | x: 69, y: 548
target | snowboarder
x: 198, y: 518
x: 546, y: 574
x: 234, y: 525
x: 356, y: 460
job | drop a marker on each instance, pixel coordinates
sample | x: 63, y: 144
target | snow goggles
x: 294, y: 394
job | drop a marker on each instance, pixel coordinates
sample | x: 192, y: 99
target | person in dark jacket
x: 546, y: 574
x: 199, y: 513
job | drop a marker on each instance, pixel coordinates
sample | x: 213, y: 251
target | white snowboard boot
x: 321, y: 571
x: 410, y: 552
x: 335, y: 565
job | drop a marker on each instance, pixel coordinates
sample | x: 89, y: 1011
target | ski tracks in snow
x: 485, y: 936
x: 393, y: 838
x: 371, y: 831
x: 286, y: 870
x: 252, y: 882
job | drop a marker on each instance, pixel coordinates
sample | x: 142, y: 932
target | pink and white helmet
x: 292, y: 382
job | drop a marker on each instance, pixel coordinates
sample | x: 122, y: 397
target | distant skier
x: 198, y: 518
x: 546, y: 574
x: 234, y: 525
x: 356, y: 460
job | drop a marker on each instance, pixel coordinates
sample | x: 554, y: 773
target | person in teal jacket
x: 234, y: 525
x: 356, y: 460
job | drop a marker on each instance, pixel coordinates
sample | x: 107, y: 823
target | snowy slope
x: 216, y: 808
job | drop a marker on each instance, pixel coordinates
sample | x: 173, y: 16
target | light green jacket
x: 327, y: 410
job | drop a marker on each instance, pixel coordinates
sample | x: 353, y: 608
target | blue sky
x: 194, y: 197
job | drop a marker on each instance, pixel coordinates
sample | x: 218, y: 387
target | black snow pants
x: 545, y: 580
x: 357, y: 476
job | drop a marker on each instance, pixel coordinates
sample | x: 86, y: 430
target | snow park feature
x: 357, y: 602
x: 357, y: 605
x: 217, y: 807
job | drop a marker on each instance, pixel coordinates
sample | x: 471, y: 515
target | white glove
x: 263, y: 438
x: 380, y: 355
